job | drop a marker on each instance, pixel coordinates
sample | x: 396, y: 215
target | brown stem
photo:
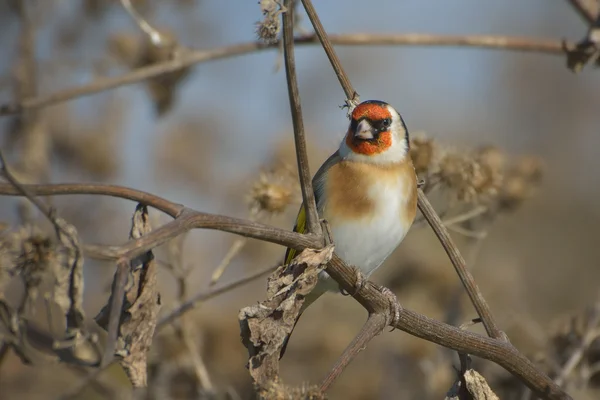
x: 351, y: 94
x: 116, y: 304
x: 460, y: 266
x: 373, y: 327
x: 185, y: 220
x: 584, y: 11
x: 203, y: 296
x: 308, y: 196
x: 193, y: 57
x: 498, y: 351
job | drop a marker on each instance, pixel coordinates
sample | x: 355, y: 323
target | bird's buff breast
x: 366, y: 241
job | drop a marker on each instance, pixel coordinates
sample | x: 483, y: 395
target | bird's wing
x: 318, y: 183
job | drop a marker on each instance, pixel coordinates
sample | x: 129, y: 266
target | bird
x: 366, y: 191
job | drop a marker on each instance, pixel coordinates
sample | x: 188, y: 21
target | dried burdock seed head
x: 514, y: 191
x: 422, y: 153
x: 471, y: 180
x: 492, y: 157
x: 268, y: 29
x: 531, y: 168
x: 27, y: 252
x: 273, y: 191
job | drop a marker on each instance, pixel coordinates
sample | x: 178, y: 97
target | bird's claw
x: 395, y: 306
x: 328, y: 237
x: 361, y: 280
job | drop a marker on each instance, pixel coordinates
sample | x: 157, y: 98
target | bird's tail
x: 317, y: 292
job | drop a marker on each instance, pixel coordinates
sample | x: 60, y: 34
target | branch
x: 460, y: 266
x: 185, y: 220
x: 308, y: 196
x: 192, y: 57
x: 498, y: 351
x: 582, y: 8
x: 203, y: 296
x: 352, y: 97
x: 372, y: 299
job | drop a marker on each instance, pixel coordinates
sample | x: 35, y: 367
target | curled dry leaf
x: 471, y: 386
x: 265, y: 326
x: 140, y: 309
x: 587, y: 51
x: 68, y: 273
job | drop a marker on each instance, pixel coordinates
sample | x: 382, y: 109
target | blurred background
x: 216, y: 135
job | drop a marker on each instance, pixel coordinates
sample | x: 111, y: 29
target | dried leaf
x: 68, y: 272
x: 140, y: 308
x: 265, y: 326
x: 585, y: 52
x: 476, y: 387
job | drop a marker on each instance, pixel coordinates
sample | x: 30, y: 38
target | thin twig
x: 308, y: 197
x: 77, y: 389
x: 584, y: 11
x: 460, y: 266
x: 374, y: 325
x: 233, y: 251
x: 590, y: 335
x: 184, y: 329
x: 191, y: 57
x: 23, y: 190
x: 209, y: 294
x: 467, y: 232
x: 352, y: 97
x: 117, y: 299
x: 148, y: 29
x: 475, y: 212
x: 185, y: 220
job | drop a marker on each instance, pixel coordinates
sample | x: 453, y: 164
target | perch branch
x: 437, y: 332
x: 185, y: 220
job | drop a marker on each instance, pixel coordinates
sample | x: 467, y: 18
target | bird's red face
x: 370, y: 131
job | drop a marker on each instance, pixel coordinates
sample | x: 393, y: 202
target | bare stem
x: 373, y: 327
x: 351, y: 94
x: 192, y: 57
x: 308, y: 196
x: 460, y: 266
x: 584, y: 11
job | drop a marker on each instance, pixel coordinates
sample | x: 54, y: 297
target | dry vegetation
x: 159, y: 344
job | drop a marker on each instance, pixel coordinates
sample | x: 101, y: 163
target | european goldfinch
x: 366, y: 191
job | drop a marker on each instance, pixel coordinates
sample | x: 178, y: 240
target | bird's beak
x: 364, y: 131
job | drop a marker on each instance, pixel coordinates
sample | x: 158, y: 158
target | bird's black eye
x: 385, y: 123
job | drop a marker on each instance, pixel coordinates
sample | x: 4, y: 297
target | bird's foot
x: 361, y: 281
x: 394, y: 306
x: 328, y: 237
